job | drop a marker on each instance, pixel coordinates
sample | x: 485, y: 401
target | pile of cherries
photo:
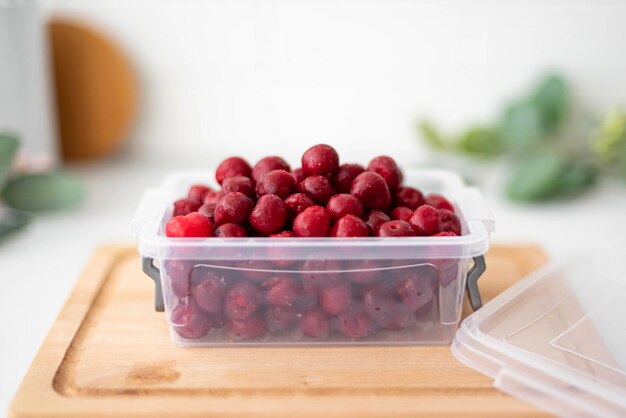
x: 287, y: 300
x: 320, y: 199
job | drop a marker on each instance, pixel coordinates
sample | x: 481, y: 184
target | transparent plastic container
x: 556, y: 339
x: 289, y: 291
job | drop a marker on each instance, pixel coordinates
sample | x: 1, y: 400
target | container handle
x: 147, y: 264
x: 471, y: 285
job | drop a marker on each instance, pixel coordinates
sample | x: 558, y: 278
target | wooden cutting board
x: 109, y: 355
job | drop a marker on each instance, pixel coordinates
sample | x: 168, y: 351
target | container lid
x: 557, y: 338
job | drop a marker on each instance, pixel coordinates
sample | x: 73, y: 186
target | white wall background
x: 241, y: 76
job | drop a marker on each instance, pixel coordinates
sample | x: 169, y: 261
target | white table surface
x: 39, y: 266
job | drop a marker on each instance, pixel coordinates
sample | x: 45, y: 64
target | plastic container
x: 252, y: 291
x: 556, y: 339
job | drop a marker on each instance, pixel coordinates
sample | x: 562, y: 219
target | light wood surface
x: 95, y: 90
x: 109, y: 354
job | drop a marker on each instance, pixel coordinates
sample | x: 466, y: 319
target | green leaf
x: 431, y: 135
x: 522, y: 125
x: 551, y: 98
x: 536, y: 178
x: 481, y: 141
x: 12, y: 220
x: 8, y: 148
x: 45, y: 191
x: 576, y: 178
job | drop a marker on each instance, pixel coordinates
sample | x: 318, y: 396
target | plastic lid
x: 556, y: 339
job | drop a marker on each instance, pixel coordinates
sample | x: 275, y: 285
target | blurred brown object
x: 96, y: 94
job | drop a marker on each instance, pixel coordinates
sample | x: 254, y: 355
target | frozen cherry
x: 267, y: 164
x: 186, y: 206
x: 280, y: 291
x: 276, y: 254
x: 439, y: 202
x: 315, y: 323
x: 409, y: 197
x: 213, y: 197
x: 396, y: 229
x: 298, y: 202
x: 416, y: 286
x: 371, y: 189
x: 364, y: 272
x: 242, y: 300
x: 318, y: 188
x: 343, y: 204
x: 355, y: 324
x: 193, y: 225
x: 278, y: 182
x: 344, y: 175
x: 198, y: 192
x: 336, y: 298
x: 319, y: 272
x: 401, y: 317
x: 189, y: 321
x: 297, y: 174
x: 207, y: 289
x: 231, y: 167
x: 269, y: 216
x: 233, y: 208
x: 230, y: 230
x: 208, y: 210
x: 320, y: 159
x: 388, y: 170
x: 279, y: 318
x: 239, y: 184
x: 308, y: 298
x: 312, y: 222
x: 445, y: 234
x: 247, y: 328
x: 401, y: 213
x: 349, y: 226
x: 448, y: 221
x: 379, y: 303
x: 425, y: 220
x: 179, y: 273
x: 375, y: 219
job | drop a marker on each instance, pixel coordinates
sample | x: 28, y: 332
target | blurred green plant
x: 24, y: 193
x: 549, y: 159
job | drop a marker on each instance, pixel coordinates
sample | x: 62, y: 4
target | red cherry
x: 186, y: 206
x: 425, y: 220
x: 445, y: 234
x: 179, y: 273
x: 388, y: 169
x: 280, y: 318
x: 242, y: 300
x: 189, y: 321
x: 207, y: 289
x: 280, y: 291
x: 213, y: 197
x: 267, y: 164
x: 193, y: 225
x: 355, y: 324
x: 448, y: 221
x: 247, y: 328
x: 231, y: 230
x: 297, y: 174
x: 343, y: 204
x: 315, y: 323
x: 401, y: 213
x: 239, y: 184
x: 409, y: 197
x: 198, y: 192
x: 318, y: 188
x: 233, y: 208
x: 298, y: 202
x: 278, y: 182
x: 269, y: 216
x: 312, y: 222
x: 336, y: 298
x: 344, y: 176
x: 396, y: 229
x: 371, y: 189
x: 416, y: 286
x: 320, y: 159
x: 349, y: 226
x: 375, y: 219
x: 231, y: 167
x: 439, y: 202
